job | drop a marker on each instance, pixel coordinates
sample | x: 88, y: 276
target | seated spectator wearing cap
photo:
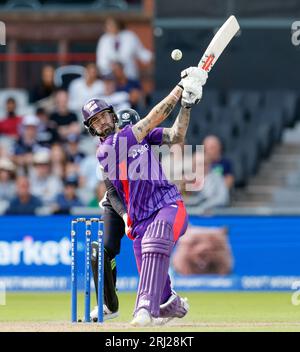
x: 47, y: 132
x: 82, y: 89
x: 68, y: 199
x: 66, y: 120
x: 27, y: 144
x: 124, y: 84
x: 7, y: 179
x: 219, y: 164
x: 44, y: 184
x: 214, y: 192
x: 9, y: 126
x: 24, y: 203
x: 46, y: 87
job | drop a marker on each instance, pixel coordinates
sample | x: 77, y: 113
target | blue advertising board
x: 35, y: 254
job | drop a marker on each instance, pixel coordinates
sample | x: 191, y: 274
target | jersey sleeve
x: 127, y: 133
x: 155, y: 136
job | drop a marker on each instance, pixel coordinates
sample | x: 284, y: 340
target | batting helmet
x: 93, y: 107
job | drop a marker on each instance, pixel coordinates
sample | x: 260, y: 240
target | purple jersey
x: 136, y: 173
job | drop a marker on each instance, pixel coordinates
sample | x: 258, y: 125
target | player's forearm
x: 157, y: 115
x: 177, y: 133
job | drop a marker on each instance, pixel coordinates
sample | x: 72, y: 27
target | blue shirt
x: 223, y: 167
x: 65, y: 204
x: 28, y: 208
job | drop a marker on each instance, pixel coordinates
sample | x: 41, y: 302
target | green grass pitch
x: 209, y: 311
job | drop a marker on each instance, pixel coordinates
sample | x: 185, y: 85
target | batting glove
x: 193, y: 78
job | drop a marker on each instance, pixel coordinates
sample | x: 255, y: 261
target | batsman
x: 156, y: 215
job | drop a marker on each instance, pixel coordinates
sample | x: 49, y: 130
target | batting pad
x: 157, y: 245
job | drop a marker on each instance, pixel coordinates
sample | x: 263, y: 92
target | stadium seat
x: 272, y: 117
x: 250, y: 151
x: 228, y: 124
x: 264, y: 127
x: 239, y: 167
x: 210, y: 98
x: 244, y: 99
x: 284, y: 100
x: 64, y: 75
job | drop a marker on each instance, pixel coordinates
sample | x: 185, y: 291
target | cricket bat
x: 219, y: 43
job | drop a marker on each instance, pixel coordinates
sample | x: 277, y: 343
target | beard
x: 107, y: 130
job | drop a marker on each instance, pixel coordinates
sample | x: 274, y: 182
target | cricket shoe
x: 106, y: 316
x: 175, y: 307
x: 142, y: 318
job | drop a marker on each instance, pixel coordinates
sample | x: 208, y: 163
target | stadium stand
x: 249, y: 123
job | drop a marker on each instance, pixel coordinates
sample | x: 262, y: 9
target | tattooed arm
x: 177, y: 132
x: 157, y: 115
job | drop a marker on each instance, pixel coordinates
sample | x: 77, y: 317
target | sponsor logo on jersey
x: 134, y: 153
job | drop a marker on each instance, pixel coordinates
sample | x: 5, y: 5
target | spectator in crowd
x: 58, y: 160
x: 119, y: 44
x: 89, y: 176
x: 99, y: 194
x: 119, y: 100
x: 46, y: 87
x: 24, y: 203
x: 68, y: 199
x: 7, y: 179
x: 44, y: 184
x: 74, y: 155
x: 71, y: 170
x: 9, y: 126
x: 3, y: 151
x: 66, y: 120
x: 27, y: 144
x: 47, y: 132
x: 124, y: 84
x: 214, y: 192
x: 219, y: 164
x: 82, y: 89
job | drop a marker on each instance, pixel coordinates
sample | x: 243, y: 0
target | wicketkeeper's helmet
x: 127, y: 117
